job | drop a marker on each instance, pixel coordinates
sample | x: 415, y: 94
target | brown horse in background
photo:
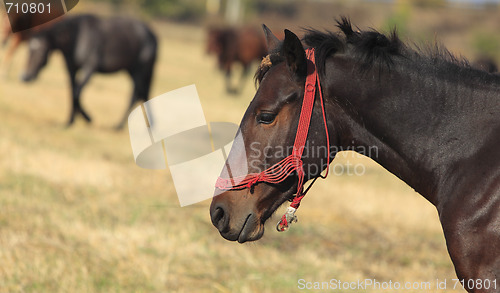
x: 17, y: 39
x: 236, y: 45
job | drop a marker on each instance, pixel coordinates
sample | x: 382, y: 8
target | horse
x: 236, y: 45
x: 486, y: 63
x: 26, y: 22
x: 90, y: 44
x: 434, y: 120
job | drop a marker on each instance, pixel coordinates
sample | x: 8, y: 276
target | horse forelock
x: 264, y: 66
x: 267, y: 62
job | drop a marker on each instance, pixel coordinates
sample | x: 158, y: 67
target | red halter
x: 281, y: 170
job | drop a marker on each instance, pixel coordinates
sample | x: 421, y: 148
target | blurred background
x: 77, y: 214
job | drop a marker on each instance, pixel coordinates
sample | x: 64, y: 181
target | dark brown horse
x: 434, y: 120
x: 236, y: 45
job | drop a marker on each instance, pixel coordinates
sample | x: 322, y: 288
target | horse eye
x: 266, y: 117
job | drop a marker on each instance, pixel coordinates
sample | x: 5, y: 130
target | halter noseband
x: 284, y: 168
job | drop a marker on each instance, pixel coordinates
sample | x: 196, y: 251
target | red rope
x: 274, y: 174
x: 292, y: 163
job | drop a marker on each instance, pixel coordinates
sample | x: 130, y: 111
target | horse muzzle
x: 27, y: 77
x: 241, y: 226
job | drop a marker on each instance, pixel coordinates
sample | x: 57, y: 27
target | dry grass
x: 77, y: 215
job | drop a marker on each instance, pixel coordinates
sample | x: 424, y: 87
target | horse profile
x: 236, y: 45
x: 434, y: 120
x: 88, y: 45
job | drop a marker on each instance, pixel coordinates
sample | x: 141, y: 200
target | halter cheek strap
x: 292, y: 163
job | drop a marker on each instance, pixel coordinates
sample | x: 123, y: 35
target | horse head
x: 39, y: 50
x: 266, y: 137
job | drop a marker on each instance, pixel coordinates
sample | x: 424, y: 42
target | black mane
x: 369, y: 47
x: 372, y: 48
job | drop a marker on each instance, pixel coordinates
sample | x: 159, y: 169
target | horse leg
x: 76, y: 87
x: 244, y: 74
x: 475, y: 258
x: 133, y: 100
x: 473, y: 241
x: 142, y: 84
x: 86, y: 74
x: 229, y: 87
x: 72, y: 77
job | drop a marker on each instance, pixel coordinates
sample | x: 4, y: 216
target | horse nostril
x: 220, y: 219
x: 217, y: 216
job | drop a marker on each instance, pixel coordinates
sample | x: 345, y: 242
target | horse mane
x: 371, y: 48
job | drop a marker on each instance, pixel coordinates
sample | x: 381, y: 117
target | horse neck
x: 61, y: 36
x: 421, y: 125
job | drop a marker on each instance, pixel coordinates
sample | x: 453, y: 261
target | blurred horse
x: 485, y: 63
x: 90, y: 45
x: 21, y: 20
x: 236, y: 45
x: 433, y: 120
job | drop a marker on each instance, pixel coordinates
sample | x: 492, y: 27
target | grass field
x: 77, y: 214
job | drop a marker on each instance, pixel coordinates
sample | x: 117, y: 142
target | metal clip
x: 288, y: 218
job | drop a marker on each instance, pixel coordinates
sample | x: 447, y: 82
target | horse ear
x: 272, y: 41
x: 294, y: 54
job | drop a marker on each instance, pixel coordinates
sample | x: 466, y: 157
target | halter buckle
x: 288, y: 218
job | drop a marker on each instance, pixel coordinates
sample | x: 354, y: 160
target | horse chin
x: 251, y: 230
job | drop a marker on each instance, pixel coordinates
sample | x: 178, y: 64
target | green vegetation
x: 179, y: 10
x: 399, y: 20
x: 486, y: 44
x: 183, y: 10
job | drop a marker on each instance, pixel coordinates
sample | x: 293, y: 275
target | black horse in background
x: 89, y: 45
x: 486, y: 63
